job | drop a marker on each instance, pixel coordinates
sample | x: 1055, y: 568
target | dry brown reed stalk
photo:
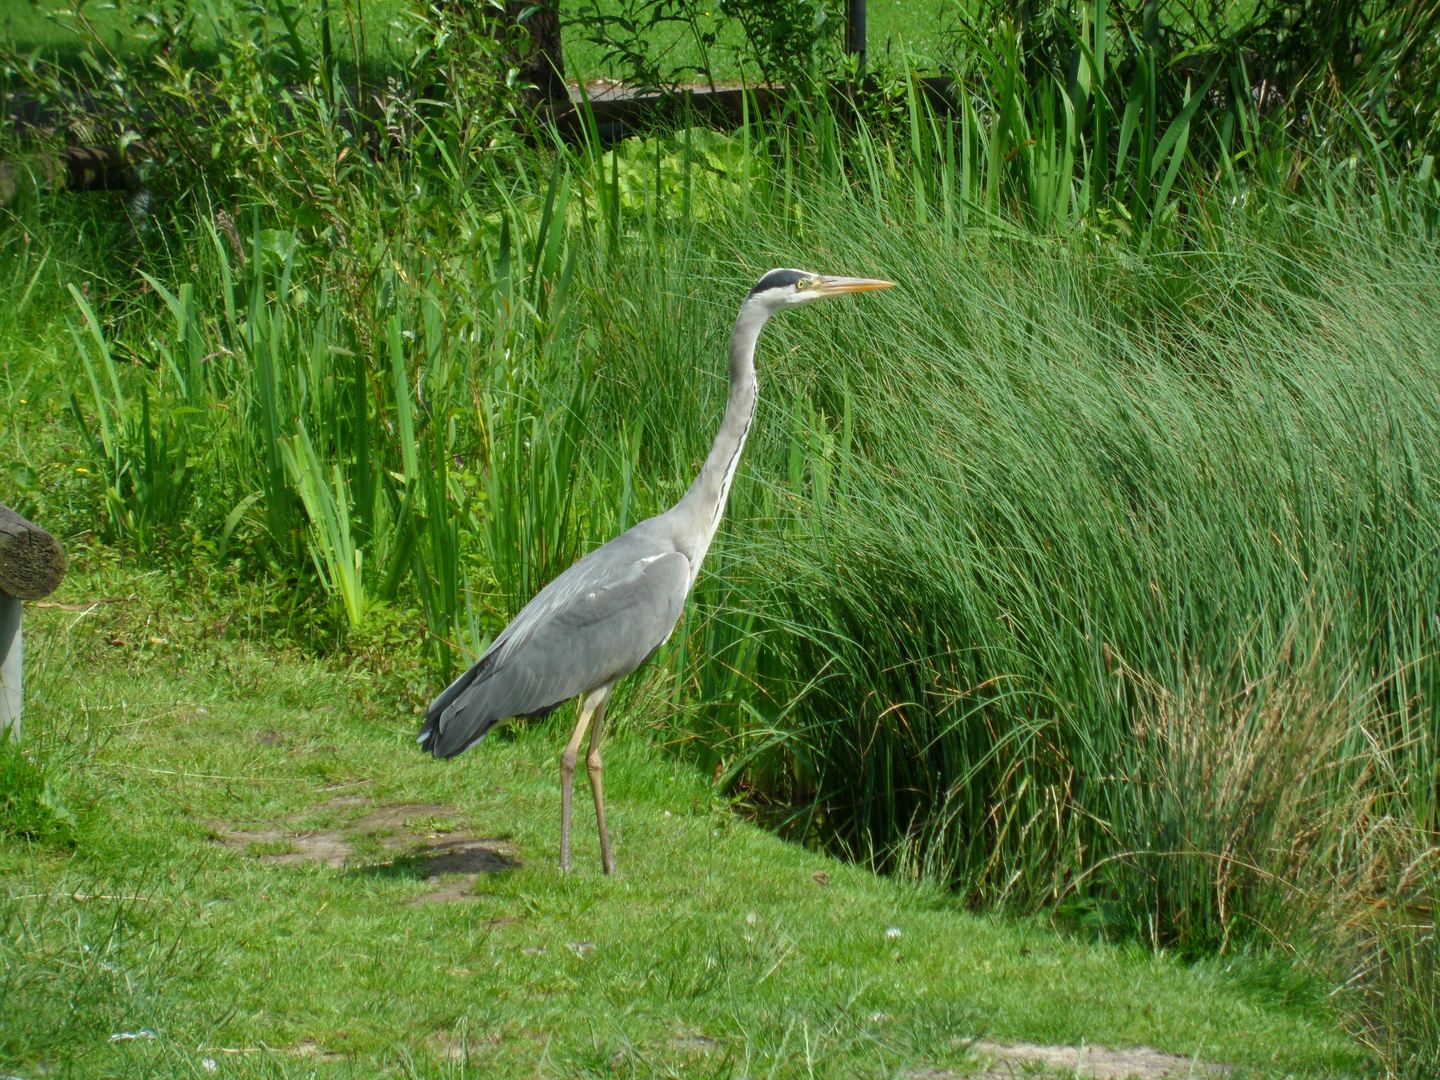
x: 227, y: 226
x: 1268, y: 809
x: 1284, y: 800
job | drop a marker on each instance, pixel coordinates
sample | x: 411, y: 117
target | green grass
x: 56, y: 25
x: 29, y: 806
x: 713, y: 930
x: 895, y: 29
x: 893, y: 26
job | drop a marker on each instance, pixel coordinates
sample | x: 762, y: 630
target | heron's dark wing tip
x: 429, y: 737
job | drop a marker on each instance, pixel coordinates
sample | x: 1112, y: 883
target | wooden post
x: 855, y: 33
x: 32, y: 564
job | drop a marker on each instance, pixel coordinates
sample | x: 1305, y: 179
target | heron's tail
x: 450, y: 742
x: 441, y: 735
x: 488, y: 694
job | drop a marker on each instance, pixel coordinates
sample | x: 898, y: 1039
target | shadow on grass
x: 453, y: 866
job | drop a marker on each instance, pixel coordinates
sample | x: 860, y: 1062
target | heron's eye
x: 806, y: 283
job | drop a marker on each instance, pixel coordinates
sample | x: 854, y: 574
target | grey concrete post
x: 11, y: 650
x: 32, y: 563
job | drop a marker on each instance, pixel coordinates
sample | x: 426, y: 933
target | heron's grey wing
x: 609, y: 562
x: 606, y: 562
x: 590, y: 626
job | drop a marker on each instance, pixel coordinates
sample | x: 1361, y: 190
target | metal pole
x: 855, y: 32
x: 11, y: 648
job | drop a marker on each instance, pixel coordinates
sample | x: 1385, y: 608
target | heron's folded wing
x: 608, y: 563
x: 600, y: 626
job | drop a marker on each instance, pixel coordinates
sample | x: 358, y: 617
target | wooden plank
x: 32, y: 562
x: 76, y: 168
x: 616, y: 106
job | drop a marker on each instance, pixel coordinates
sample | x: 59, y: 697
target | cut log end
x: 32, y: 562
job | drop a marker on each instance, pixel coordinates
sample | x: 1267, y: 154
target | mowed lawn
x: 212, y: 781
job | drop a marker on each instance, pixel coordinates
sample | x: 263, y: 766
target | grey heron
x: 609, y: 612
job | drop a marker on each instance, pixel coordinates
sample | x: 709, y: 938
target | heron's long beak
x: 834, y: 286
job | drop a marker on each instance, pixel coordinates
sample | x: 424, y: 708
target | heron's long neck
x: 702, y: 506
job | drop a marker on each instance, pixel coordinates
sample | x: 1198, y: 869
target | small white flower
x: 892, y: 933
x: 751, y: 919
x: 667, y: 813
x: 208, y: 1064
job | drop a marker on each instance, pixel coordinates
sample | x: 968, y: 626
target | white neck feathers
x: 701, y: 508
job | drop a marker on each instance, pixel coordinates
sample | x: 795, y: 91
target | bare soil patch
x: 309, y: 1048
x: 693, y: 1044
x: 420, y: 839
x: 454, y: 1046
x: 1032, y: 1061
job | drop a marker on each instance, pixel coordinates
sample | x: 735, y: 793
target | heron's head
x: 780, y: 289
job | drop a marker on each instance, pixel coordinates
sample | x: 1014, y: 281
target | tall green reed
x: 1094, y: 578
x: 144, y: 460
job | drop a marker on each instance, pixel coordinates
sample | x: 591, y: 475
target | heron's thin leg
x: 585, y: 710
x: 592, y: 765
